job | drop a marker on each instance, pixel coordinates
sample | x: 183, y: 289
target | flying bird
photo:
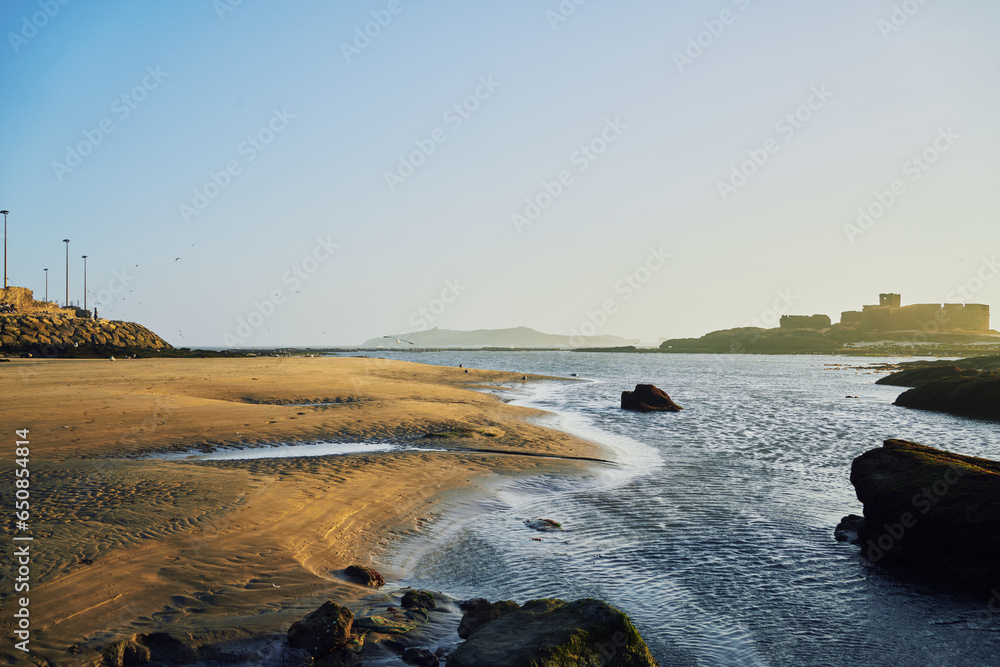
x: 398, y: 341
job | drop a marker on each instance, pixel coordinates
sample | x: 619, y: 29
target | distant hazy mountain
x: 517, y: 337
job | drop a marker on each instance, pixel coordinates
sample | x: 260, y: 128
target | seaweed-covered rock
x: 323, y: 631
x: 932, y: 508
x: 556, y: 633
x: 418, y: 600
x: 648, y: 398
x: 366, y: 576
x: 976, y: 396
x: 543, y: 525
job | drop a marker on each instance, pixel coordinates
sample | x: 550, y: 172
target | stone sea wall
x: 56, y: 335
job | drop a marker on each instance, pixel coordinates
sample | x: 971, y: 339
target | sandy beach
x: 227, y: 550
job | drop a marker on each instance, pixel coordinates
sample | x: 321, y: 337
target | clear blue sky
x: 310, y: 128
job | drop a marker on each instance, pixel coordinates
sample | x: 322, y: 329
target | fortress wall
x: 918, y: 317
x: 806, y: 322
x: 968, y: 317
x: 875, y: 318
x: 24, y: 300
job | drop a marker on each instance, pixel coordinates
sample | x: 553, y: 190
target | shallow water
x: 278, y: 451
x: 715, y: 534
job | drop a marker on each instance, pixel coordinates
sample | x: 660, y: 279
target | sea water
x: 714, y: 531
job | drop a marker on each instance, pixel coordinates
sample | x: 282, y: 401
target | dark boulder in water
x: 930, y: 508
x: 480, y: 611
x: 648, y: 398
x: 848, y: 528
x: 323, y: 631
x: 976, y: 396
x: 921, y: 375
x: 554, y: 633
x: 365, y: 576
x: 418, y: 600
x: 543, y: 525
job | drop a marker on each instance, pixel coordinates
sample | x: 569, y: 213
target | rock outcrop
x: 555, y: 633
x: 931, y: 508
x: 417, y: 599
x: 158, y: 648
x: 976, y: 396
x: 324, y: 631
x: 479, y: 612
x: 366, y: 576
x: 921, y: 375
x: 648, y: 398
x: 59, y: 336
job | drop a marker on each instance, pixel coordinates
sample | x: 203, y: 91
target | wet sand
x: 227, y: 550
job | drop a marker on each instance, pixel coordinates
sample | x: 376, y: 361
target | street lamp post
x: 66, y: 241
x: 46, y: 284
x: 84, y: 282
x: 5, y: 248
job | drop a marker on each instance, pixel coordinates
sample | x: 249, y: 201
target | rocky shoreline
x: 417, y: 627
x: 969, y: 387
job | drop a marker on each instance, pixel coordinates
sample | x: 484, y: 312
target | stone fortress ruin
x: 891, y: 315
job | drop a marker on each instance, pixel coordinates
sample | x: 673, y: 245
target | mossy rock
x: 418, y: 600
x: 556, y: 633
x: 323, y: 631
x: 932, y: 508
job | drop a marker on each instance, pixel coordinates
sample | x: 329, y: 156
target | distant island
x: 885, y: 328
x: 518, y: 337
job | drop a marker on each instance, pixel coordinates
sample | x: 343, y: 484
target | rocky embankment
x: 61, y: 336
x: 968, y: 387
x: 930, y: 508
